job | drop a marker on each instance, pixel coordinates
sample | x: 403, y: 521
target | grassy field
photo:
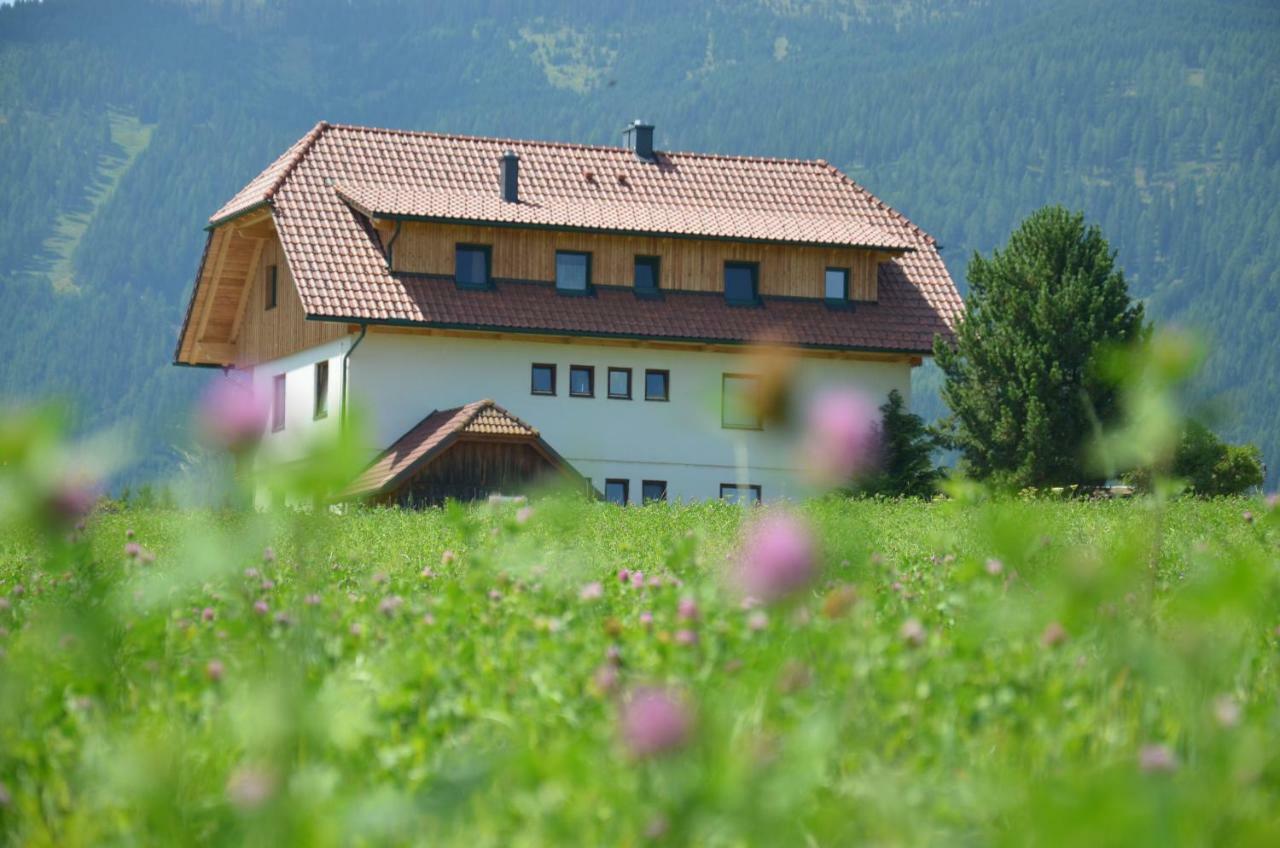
x: 978, y: 673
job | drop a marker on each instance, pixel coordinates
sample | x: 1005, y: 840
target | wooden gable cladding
x: 686, y: 264
x: 265, y: 334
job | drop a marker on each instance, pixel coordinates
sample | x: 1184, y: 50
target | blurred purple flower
x: 593, y: 591
x: 646, y: 619
x: 232, y: 416
x: 207, y: 614
x: 994, y: 567
x: 687, y: 609
x: 686, y: 637
x: 427, y: 573
x: 654, y: 722
x: 72, y: 499
x: 523, y: 514
x: 1247, y: 516
x: 1157, y: 758
x: 428, y: 619
x: 5, y: 798
x: 261, y: 608
x: 606, y: 678
x: 637, y: 578
x: 249, y: 788
x: 356, y: 628
x: 757, y: 620
x: 623, y: 574
x: 1226, y: 711
x: 380, y: 578
x: 390, y: 605
x: 268, y: 554
x: 776, y: 558
x: 913, y: 632
x: 214, y: 671
x: 312, y: 600
x: 132, y: 550
x: 252, y: 573
x: 1054, y: 634
x: 841, y: 436
x: 447, y: 557
x: 128, y: 534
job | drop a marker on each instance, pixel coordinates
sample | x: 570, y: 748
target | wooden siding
x: 266, y: 334
x: 687, y: 264
x: 473, y: 470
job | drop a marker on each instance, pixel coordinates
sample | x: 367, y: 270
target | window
x: 615, y: 491
x: 277, y: 403
x: 653, y: 490
x: 620, y: 383
x: 740, y: 281
x: 270, y: 286
x: 836, y: 285
x: 573, y: 272
x: 657, y: 385
x: 648, y: 274
x: 582, y: 381
x: 543, y: 380
x: 739, y: 494
x: 322, y: 389
x: 739, y: 409
x: 471, y: 265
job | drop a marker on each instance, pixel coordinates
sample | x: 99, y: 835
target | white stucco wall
x: 301, y: 427
x: 398, y: 379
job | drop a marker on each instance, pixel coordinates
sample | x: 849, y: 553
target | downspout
x: 346, y: 373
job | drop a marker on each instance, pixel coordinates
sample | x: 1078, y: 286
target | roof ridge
x: 307, y: 142
x: 573, y: 145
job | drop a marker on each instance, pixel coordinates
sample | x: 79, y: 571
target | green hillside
x: 121, y: 132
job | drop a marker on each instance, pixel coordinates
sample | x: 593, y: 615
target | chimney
x: 509, y: 176
x: 640, y: 140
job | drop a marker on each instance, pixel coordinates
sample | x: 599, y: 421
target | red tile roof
x: 341, y: 273
x: 431, y: 436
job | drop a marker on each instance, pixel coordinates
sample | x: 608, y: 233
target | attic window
x: 835, y: 287
x: 741, y: 283
x: 573, y: 272
x: 471, y: 266
x: 647, y: 274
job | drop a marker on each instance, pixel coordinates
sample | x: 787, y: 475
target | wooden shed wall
x: 687, y: 264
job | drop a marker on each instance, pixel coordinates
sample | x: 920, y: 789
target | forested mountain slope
x: 123, y: 125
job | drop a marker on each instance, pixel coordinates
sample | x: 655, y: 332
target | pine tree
x: 907, y: 468
x: 1020, y: 380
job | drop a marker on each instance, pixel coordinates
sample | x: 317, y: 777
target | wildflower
x: 312, y: 600
x: 654, y: 722
x: 18, y: 590
x: 1157, y: 758
x: 380, y: 578
x: 1054, y: 634
x: 912, y: 632
x: 214, y: 671
x: 5, y: 798
x: 427, y: 573
x: 840, y: 436
x: 268, y: 585
x: 776, y: 558
x: 71, y: 500
x: 1247, y: 516
x: 232, y: 416
x: 356, y: 629
x: 447, y: 557
x: 1226, y: 710
x: 261, y: 608
x: 637, y: 579
x: 428, y: 619
x: 249, y: 788
x: 252, y: 574
x: 646, y: 619
x: 282, y: 618
x: 757, y: 621
x: 207, y: 614
x: 623, y: 574
x: 593, y: 591
x: 606, y: 678
x: 613, y: 655
x: 686, y: 637
x: 268, y: 554
x: 132, y: 550
x: 994, y: 567
x: 687, y: 609
x: 390, y: 605
x: 794, y: 677
x: 495, y: 595
x: 128, y: 534
x: 523, y: 514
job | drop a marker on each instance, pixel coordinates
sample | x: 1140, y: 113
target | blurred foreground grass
x: 1015, y: 672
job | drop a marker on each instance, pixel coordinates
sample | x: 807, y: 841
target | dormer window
x: 471, y: 266
x: 835, y: 288
x: 573, y: 272
x: 741, y: 283
x: 270, y: 286
x: 647, y: 274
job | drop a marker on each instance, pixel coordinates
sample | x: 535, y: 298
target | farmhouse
x: 505, y: 310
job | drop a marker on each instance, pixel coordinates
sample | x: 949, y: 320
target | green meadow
x: 968, y: 671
